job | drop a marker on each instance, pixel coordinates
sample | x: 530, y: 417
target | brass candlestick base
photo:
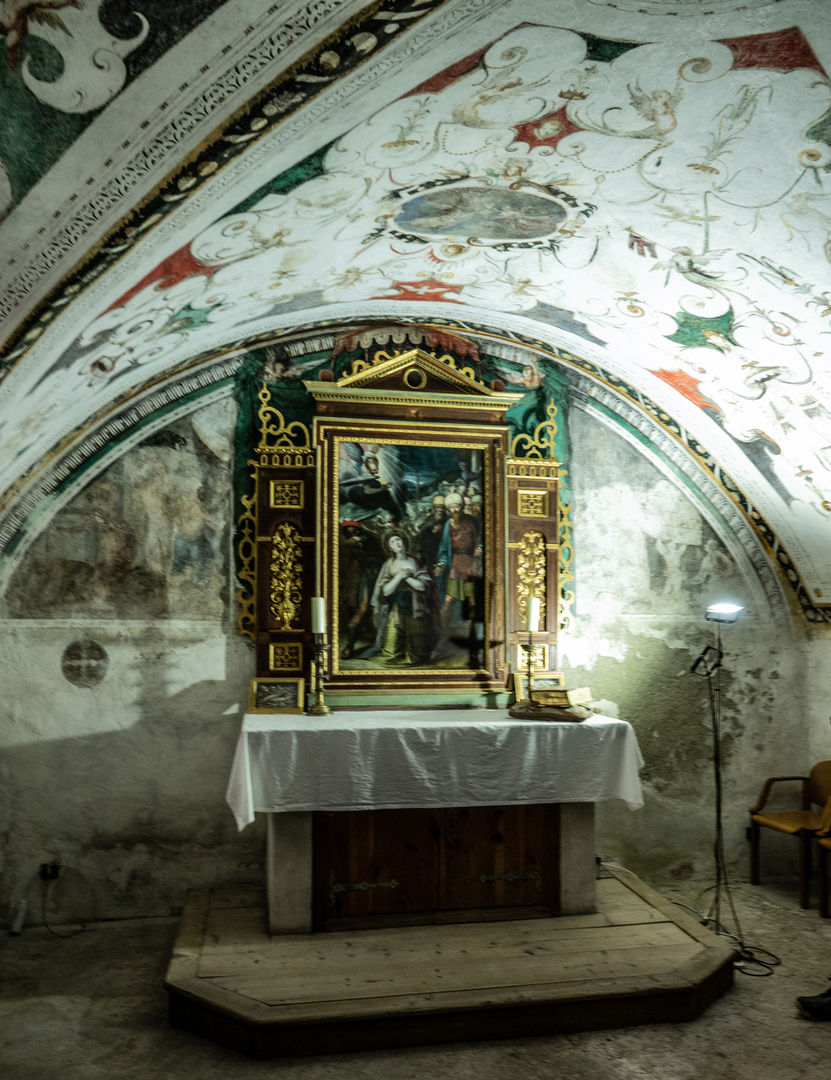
x: 319, y: 708
x: 530, y: 666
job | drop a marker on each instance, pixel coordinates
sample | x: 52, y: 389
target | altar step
x: 638, y: 960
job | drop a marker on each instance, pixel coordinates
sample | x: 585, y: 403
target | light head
x: 723, y: 612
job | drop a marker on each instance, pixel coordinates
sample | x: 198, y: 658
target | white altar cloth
x: 399, y: 759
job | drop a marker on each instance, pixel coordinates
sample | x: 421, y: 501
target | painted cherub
x: 658, y: 106
x: 16, y: 14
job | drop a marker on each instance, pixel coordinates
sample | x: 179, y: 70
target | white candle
x: 318, y: 615
x: 533, y: 613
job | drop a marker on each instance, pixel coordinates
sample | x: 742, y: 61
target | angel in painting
x: 375, y: 485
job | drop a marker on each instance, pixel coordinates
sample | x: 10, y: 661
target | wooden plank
x: 499, y: 856
x: 442, y: 1004
x: 229, y: 929
x: 322, y: 984
x: 378, y: 953
x: 336, y: 992
x: 680, y: 917
x: 378, y: 862
x: 187, y: 948
x: 236, y: 896
x: 237, y: 924
x: 436, y: 918
x: 411, y: 945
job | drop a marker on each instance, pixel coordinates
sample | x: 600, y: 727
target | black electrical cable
x: 46, y: 891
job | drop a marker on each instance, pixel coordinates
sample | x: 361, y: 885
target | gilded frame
x: 424, y: 611
x: 542, y: 680
x: 267, y: 695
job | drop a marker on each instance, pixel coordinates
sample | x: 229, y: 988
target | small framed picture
x: 276, y: 696
x: 542, y: 681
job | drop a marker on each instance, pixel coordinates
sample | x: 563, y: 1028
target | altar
x: 489, y: 817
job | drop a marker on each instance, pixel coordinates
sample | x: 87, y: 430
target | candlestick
x: 319, y: 708
x: 318, y: 615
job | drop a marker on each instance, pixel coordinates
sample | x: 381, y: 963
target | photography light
x: 723, y: 612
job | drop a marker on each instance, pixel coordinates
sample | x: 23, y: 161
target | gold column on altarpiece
x: 276, y: 545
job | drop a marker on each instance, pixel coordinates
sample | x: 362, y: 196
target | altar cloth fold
x: 405, y: 759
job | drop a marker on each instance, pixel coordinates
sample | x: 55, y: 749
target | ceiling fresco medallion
x: 516, y: 215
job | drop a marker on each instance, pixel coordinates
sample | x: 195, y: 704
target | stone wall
x: 647, y: 565
x: 115, y: 761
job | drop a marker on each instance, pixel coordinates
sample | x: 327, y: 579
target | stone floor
x: 92, y: 1007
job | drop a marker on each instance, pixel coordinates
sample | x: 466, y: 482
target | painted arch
x: 649, y: 213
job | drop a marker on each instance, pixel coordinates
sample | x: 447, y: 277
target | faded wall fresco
x: 148, y: 539
x: 123, y: 775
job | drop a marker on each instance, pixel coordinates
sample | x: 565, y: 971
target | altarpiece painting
x: 407, y: 505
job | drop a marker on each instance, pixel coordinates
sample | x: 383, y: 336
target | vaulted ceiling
x: 635, y: 193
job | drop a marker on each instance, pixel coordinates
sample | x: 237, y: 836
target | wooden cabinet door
x: 371, y: 863
x: 498, y: 857
x: 386, y: 867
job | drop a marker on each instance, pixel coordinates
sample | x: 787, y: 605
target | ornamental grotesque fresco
x: 663, y: 206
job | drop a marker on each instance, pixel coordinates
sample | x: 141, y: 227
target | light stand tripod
x: 709, y: 666
x: 753, y: 960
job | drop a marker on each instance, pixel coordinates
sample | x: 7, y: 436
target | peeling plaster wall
x: 647, y: 564
x: 818, y: 681
x: 124, y: 780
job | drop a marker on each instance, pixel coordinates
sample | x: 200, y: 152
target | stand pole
x: 711, y: 670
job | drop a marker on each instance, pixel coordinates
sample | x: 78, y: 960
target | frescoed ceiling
x: 637, y: 194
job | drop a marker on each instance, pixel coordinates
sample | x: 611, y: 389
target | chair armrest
x: 763, y: 798
x: 825, y: 821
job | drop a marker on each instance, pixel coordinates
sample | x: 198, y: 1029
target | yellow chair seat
x: 789, y: 821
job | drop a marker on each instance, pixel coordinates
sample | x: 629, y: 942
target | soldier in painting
x: 459, y: 564
x: 430, y: 532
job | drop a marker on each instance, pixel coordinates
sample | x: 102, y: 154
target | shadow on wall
x: 140, y: 813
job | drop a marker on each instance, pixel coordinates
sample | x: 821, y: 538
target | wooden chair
x: 823, y: 847
x: 804, y: 823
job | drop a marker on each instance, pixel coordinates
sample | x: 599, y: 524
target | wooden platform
x: 638, y: 960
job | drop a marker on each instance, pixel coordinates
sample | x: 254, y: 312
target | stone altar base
x: 639, y: 959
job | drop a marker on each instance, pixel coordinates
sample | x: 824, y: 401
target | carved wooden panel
x: 385, y: 867
x: 533, y: 557
x: 276, y: 546
x: 286, y: 562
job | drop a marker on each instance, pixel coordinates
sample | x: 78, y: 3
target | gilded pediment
x: 414, y: 384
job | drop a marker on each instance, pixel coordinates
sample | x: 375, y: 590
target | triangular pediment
x: 414, y: 384
x: 416, y: 371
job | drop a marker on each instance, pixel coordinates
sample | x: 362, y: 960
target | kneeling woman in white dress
x: 405, y: 603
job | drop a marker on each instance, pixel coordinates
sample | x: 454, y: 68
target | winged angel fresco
x: 15, y: 16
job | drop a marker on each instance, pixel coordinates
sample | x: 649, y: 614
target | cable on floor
x: 46, y: 895
x: 750, y: 957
